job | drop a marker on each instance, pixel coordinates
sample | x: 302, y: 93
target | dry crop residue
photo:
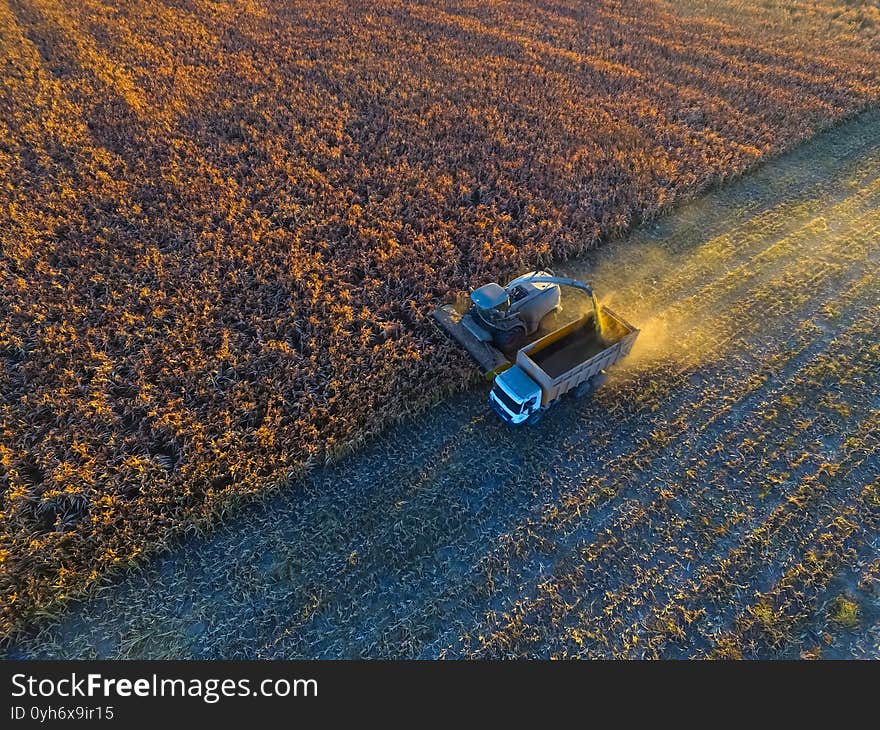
x: 718, y: 497
x: 222, y: 223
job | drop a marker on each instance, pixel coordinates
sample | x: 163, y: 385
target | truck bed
x: 573, y: 354
x: 576, y: 347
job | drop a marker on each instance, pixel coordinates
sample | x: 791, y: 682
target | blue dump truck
x: 546, y: 357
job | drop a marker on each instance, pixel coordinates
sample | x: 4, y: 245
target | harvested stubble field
x: 222, y: 223
x: 719, y: 497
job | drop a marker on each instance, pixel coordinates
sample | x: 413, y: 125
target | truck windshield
x: 509, y: 402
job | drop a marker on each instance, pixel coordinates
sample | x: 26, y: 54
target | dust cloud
x: 637, y: 288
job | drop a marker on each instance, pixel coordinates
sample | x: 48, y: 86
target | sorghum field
x: 223, y: 223
x: 720, y: 496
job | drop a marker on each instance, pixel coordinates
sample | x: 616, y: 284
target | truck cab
x: 515, y: 396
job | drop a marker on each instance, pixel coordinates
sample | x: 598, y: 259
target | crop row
x: 222, y: 226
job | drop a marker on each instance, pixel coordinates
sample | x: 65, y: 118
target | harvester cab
x: 505, y: 316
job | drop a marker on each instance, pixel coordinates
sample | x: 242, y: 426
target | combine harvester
x: 518, y: 338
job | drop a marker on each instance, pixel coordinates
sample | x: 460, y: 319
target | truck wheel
x: 535, y: 418
x: 584, y: 390
x: 597, y: 381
